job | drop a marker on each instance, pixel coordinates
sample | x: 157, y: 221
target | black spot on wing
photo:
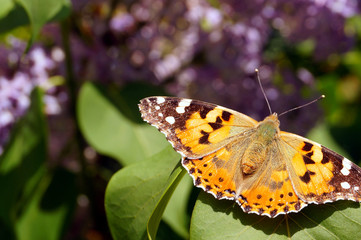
x: 204, y: 138
x: 226, y: 115
x: 286, y: 209
x: 273, y: 212
x: 307, y: 147
x: 297, y: 206
x: 204, y: 111
x: 197, y: 181
x: 307, y: 176
x: 219, y: 120
x: 247, y: 208
x: 307, y: 160
x: 215, y: 126
x: 328, y: 155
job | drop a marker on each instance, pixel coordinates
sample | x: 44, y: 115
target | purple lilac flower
x: 18, y: 77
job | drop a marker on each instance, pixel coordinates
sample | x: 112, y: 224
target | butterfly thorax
x: 264, y: 136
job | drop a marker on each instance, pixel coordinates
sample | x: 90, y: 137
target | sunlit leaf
x: 224, y: 219
x: 112, y: 133
x: 133, y: 193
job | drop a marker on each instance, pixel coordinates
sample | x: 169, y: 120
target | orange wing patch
x: 210, y: 173
x: 314, y: 175
x: 202, y: 130
x: 272, y: 198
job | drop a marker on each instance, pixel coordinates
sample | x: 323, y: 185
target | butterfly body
x: 264, y: 135
x: 265, y: 170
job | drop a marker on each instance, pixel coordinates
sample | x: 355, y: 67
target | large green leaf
x: 22, y: 163
x: 224, y: 219
x: 133, y: 193
x: 48, y: 212
x: 111, y: 132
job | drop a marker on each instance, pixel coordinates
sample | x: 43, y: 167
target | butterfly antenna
x: 304, y: 105
x: 264, y: 94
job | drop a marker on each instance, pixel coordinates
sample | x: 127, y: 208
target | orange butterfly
x: 265, y: 170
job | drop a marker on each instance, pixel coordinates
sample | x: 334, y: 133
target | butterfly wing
x: 318, y: 174
x: 194, y: 128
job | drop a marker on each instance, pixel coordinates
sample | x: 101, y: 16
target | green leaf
x: 48, y: 213
x: 224, y: 219
x: 157, y: 214
x: 22, y: 162
x: 176, y: 214
x: 133, y: 193
x: 6, y: 6
x: 42, y: 11
x: 15, y: 17
x: 111, y: 132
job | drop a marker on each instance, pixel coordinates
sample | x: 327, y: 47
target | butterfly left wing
x: 318, y: 174
x: 194, y: 128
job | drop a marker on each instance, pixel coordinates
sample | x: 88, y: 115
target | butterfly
x: 265, y: 170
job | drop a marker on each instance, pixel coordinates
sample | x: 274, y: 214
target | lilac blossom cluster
x: 19, y: 75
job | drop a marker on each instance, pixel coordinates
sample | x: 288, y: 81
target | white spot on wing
x: 170, y: 120
x: 345, y: 172
x: 185, y: 103
x: 160, y: 114
x: 160, y: 100
x: 157, y: 107
x: 346, y: 163
x: 346, y: 166
x: 345, y: 185
x: 180, y: 109
x: 356, y: 188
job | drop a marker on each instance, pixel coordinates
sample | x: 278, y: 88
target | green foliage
x: 112, y: 132
x: 34, y: 12
x: 133, y: 193
x: 214, y: 219
x: 33, y: 197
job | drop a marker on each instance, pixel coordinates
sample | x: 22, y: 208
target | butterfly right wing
x: 320, y: 175
x: 195, y: 128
